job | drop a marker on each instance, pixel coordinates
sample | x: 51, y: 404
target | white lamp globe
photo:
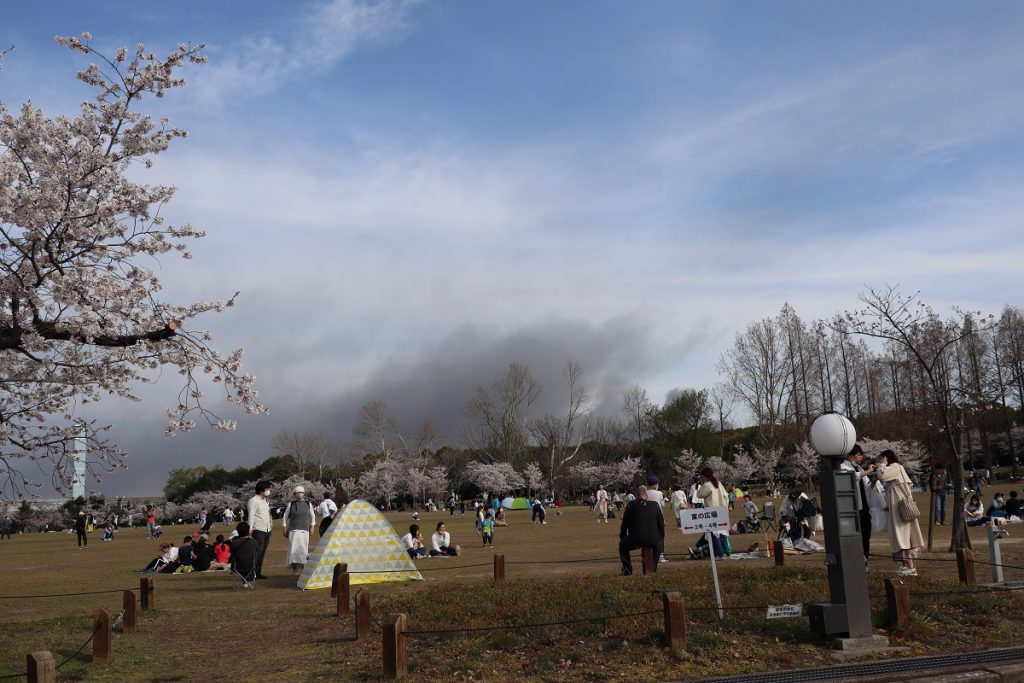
x: 832, y: 435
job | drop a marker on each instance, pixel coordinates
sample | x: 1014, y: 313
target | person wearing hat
x: 260, y: 521
x: 657, y: 497
x: 298, y: 520
x: 643, y: 526
x: 80, y: 524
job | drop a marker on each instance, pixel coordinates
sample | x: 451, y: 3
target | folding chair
x: 243, y: 573
x: 767, y: 516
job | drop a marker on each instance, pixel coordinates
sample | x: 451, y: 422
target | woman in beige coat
x: 904, y: 537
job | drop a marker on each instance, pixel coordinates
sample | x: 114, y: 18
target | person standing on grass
x: 327, y: 510
x: 487, y: 531
x: 658, y: 498
x: 260, y: 522
x: 940, y: 486
x: 853, y: 464
x: 714, y: 495
x: 298, y: 521
x: 695, y: 500
x: 150, y: 522
x: 643, y: 526
x: 80, y: 530
x: 904, y: 535
x: 678, y: 503
x: 539, y: 514
x: 602, y: 504
x: 5, y: 526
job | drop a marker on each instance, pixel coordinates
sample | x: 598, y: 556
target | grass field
x: 203, y: 630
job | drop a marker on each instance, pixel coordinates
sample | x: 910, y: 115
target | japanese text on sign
x: 700, y: 520
x: 784, y: 611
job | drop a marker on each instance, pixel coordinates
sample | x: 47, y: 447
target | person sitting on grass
x: 974, y: 512
x: 997, y: 508
x: 412, y: 542
x: 108, y: 531
x: 499, y: 517
x: 221, y: 554
x: 202, y: 554
x: 185, y: 556
x: 441, y: 541
x: 1014, y: 506
x: 168, y: 554
x: 172, y: 565
x: 750, y: 508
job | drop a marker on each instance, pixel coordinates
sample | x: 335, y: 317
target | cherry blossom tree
x: 81, y: 315
x: 495, y: 477
x: 686, y: 464
x: 624, y: 472
x: 534, y: 478
x: 767, y: 460
x: 911, y: 454
x: 802, y: 465
x: 743, y: 466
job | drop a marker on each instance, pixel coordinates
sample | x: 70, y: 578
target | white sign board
x: 701, y: 520
x: 784, y: 611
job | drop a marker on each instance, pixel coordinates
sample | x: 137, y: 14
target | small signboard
x: 784, y: 611
x: 701, y: 520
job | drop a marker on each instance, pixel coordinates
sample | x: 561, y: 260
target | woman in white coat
x: 904, y: 536
x: 602, y: 505
x: 713, y: 494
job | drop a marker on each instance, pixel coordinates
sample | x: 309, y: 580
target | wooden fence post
x: 364, y: 623
x: 102, y: 644
x: 675, y: 619
x: 780, y: 553
x: 396, y: 658
x: 146, y: 593
x: 648, y: 560
x: 128, y: 620
x: 343, y: 594
x: 41, y: 667
x: 965, y: 566
x: 897, y: 602
x: 499, y: 568
x: 339, y: 569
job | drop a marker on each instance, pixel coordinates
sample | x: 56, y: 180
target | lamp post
x: 848, y: 614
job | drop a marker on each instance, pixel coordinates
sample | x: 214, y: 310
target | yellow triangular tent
x: 371, y: 557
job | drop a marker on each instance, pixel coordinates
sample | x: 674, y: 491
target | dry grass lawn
x: 202, y: 629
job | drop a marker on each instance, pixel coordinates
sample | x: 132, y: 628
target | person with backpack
x: 298, y: 521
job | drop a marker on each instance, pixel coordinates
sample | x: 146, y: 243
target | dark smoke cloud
x: 433, y: 384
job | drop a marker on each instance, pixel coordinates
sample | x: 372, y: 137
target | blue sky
x: 411, y: 195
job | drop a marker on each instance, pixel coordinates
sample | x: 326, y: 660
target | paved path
x: 999, y: 665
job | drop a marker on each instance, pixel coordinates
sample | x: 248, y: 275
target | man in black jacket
x: 643, y: 526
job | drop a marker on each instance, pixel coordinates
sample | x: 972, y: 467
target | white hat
x: 299, y: 489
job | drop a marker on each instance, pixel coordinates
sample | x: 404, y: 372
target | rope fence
x: 395, y: 631
x: 42, y: 667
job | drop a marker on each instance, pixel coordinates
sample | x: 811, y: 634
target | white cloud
x: 320, y: 39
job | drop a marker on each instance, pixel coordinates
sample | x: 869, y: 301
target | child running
x: 487, y: 530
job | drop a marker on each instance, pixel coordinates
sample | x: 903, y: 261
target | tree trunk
x: 960, y: 537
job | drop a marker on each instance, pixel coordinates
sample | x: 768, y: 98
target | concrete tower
x: 78, y: 483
